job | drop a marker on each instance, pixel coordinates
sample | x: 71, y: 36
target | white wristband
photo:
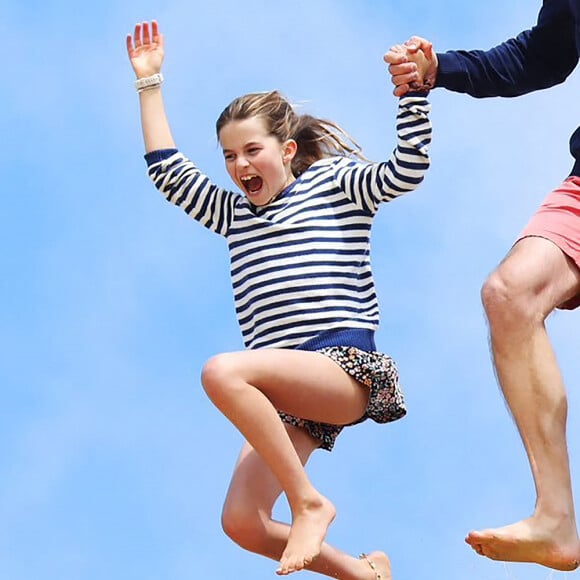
x: 149, y: 82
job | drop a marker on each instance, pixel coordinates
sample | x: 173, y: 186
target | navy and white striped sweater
x: 300, y: 265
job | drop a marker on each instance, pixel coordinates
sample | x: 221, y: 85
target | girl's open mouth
x: 252, y: 183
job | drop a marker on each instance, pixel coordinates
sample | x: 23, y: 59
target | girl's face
x: 256, y: 161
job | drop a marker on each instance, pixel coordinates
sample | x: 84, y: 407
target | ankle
x: 376, y: 566
x: 307, y: 503
x: 554, y: 514
x: 368, y: 568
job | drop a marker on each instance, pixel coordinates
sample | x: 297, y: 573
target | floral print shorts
x: 374, y: 370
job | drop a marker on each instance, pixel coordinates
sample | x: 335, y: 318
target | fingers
x: 146, y: 35
x: 405, y: 69
x: 404, y: 61
x: 397, y: 54
x: 143, y: 35
x: 402, y: 71
x: 416, y: 43
x: 137, y: 36
x: 404, y: 74
x: 129, y: 42
x: 401, y: 90
x: 156, y: 36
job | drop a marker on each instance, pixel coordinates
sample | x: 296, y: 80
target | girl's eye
x: 254, y: 150
x: 229, y: 157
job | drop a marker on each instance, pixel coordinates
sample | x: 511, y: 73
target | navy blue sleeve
x: 536, y: 59
x: 158, y: 155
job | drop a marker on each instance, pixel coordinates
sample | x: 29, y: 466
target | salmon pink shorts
x: 558, y: 220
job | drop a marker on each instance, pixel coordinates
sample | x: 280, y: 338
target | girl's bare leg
x: 248, y: 387
x: 247, y: 516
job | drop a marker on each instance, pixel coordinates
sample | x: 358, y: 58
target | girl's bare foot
x: 379, y: 566
x: 309, y: 527
x: 536, y: 540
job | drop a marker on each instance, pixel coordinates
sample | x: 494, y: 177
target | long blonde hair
x: 316, y: 138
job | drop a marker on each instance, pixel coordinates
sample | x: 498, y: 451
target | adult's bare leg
x: 248, y: 387
x: 247, y: 516
x: 531, y: 282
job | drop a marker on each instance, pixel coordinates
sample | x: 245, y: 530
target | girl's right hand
x: 413, y: 65
x: 145, y: 49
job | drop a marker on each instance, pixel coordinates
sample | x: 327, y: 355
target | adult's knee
x: 495, y: 292
x: 245, y: 528
x: 507, y: 299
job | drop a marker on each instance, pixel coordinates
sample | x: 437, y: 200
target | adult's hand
x: 413, y: 65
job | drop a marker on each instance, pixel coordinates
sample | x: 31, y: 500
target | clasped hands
x: 412, y: 65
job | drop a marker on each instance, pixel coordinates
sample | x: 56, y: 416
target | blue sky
x: 113, y: 464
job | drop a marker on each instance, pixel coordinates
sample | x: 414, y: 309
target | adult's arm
x: 536, y: 59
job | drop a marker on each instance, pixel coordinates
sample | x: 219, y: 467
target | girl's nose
x: 242, y: 162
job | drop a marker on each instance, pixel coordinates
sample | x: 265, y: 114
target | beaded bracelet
x: 151, y: 82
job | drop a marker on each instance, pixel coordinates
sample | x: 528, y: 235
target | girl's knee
x: 216, y: 373
x: 247, y: 529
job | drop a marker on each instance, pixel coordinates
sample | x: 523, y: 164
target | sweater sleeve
x: 536, y: 59
x: 369, y: 184
x: 182, y: 184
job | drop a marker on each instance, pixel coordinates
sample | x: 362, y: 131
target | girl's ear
x: 289, y: 150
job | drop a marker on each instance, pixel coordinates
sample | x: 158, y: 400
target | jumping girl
x: 298, y: 237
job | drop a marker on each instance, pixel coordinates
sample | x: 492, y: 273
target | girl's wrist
x: 146, y: 83
x: 141, y: 74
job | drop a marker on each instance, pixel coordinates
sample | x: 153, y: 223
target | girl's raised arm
x: 146, y: 51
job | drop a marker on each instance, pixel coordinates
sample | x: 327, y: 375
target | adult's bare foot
x: 379, y: 566
x: 535, y: 540
x: 309, y: 527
